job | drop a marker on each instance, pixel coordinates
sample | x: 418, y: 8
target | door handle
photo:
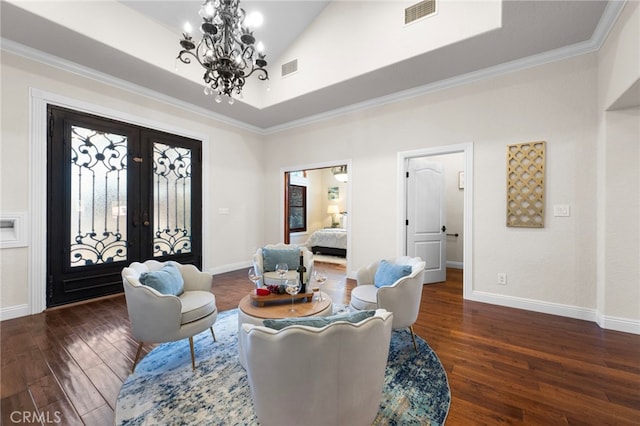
x: 145, y: 219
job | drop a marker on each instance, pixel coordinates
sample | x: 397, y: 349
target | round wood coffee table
x: 282, y: 309
x: 250, y: 313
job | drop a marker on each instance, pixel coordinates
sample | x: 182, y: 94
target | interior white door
x: 426, y: 216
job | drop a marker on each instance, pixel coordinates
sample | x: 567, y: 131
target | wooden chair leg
x: 193, y: 354
x: 213, y: 334
x: 135, y: 361
x: 413, y: 336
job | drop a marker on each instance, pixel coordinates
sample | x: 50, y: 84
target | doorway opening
x: 315, y: 210
x: 446, y: 236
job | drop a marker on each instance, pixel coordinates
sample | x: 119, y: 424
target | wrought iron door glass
x: 172, y: 200
x: 98, y: 197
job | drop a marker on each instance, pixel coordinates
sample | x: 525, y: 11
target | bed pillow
x: 167, y: 280
x: 318, y: 322
x: 388, y: 273
x: 272, y: 256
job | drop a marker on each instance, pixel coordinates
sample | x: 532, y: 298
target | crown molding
x: 72, y: 67
x: 609, y: 17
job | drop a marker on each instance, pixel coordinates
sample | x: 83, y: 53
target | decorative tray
x: 278, y: 298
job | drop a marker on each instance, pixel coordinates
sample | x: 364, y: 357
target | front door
x: 118, y: 193
x: 426, y: 215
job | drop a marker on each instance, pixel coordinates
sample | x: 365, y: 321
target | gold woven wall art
x: 525, y: 184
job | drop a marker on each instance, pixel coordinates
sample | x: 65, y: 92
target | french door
x: 118, y: 193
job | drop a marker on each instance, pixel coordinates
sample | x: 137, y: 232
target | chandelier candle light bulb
x: 226, y: 50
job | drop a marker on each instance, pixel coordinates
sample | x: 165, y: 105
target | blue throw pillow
x: 272, y: 256
x: 167, y: 280
x: 388, y: 273
x: 318, y: 322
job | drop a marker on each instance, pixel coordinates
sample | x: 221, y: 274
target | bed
x: 329, y: 241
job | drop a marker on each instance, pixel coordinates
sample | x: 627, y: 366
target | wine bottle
x: 302, y: 271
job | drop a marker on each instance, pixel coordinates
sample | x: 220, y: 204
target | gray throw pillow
x: 272, y: 256
x: 167, y: 280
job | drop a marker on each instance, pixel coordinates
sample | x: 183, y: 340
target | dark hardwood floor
x: 505, y: 366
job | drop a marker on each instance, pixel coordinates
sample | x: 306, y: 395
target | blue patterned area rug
x: 164, y: 389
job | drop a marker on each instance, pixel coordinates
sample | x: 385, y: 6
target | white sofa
x: 402, y: 297
x: 272, y: 277
x: 332, y: 375
x: 156, y: 317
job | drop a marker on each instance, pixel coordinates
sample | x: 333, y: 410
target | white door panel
x: 426, y: 213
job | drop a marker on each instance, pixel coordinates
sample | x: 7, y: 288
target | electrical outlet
x: 502, y: 278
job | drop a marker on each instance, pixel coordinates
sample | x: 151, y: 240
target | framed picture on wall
x: 333, y: 193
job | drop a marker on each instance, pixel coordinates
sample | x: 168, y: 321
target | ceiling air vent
x: 419, y: 10
x: 289, y: 67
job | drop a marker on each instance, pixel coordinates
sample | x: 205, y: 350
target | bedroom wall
x: 553, y: 267
x: 330, y: 182
x: 230, y: 155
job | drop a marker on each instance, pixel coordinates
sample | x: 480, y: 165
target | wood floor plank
x: 12, y: 379
x: 18, y: 408
x: 74, y: 381
x: 46, y: 390
x: 103, y: 416
x: 107, y: 383
x: 61, y: 412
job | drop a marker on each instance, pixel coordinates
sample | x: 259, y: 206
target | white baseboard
x: 455, y: 265
x: 230, y: 267
x: 619, y: 324
x: 14, y: 312
x: 609, y: 323
x: 535, y: 305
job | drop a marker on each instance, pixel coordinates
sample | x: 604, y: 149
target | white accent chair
x: 157, y: 317
x: 272, y: 277
x: 333, y: 375
x: 402, y: 297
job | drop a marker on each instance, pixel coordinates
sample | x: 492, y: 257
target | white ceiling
x: 531, y: 32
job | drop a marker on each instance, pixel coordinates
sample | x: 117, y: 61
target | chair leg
x: 213, y: 334
x: 135, y: 361
x: 413, y: 336
x: 193, y: 354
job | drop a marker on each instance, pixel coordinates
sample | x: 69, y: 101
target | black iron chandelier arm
x: 226, y: 49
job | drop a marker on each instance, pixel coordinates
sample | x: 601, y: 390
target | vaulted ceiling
x: 351, y: 53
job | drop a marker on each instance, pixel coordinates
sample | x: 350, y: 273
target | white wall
x: 555, y: 102
x: 619, y: 176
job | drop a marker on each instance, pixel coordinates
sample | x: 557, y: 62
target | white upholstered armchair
x: 401, y: 296
x: 158, y: 316
x: 288, y: 253
x: 332, y: 375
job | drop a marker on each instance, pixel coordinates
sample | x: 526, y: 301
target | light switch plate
x: 562, y: 210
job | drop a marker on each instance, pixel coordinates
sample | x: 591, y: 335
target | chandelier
x: 226, y: 50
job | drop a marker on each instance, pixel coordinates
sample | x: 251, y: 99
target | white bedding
x: 329, y: 237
